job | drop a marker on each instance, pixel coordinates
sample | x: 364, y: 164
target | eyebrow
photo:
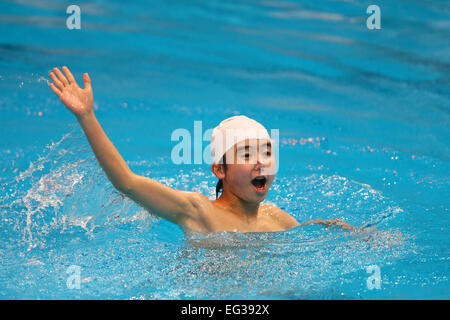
x: 247, y: 147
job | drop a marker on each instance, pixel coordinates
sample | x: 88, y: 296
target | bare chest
x: 218, y: 219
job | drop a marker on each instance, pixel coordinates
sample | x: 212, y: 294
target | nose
x: 260, y: 163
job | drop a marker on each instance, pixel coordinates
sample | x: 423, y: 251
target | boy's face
x: 247, y: 175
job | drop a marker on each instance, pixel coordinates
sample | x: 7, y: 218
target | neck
x: 244, y: 209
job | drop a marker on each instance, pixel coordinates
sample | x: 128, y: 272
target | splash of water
x: 63, y: 188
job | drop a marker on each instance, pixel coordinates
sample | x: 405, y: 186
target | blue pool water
x: 364, y: 136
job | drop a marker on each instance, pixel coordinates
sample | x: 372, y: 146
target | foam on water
x: 364, y: 137
x: 66, y: 212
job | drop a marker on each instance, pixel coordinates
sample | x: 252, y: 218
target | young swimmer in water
x: 242, y: 180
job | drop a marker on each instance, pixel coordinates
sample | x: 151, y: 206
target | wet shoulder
x: 199, y: 201
x: 278, y: 216
x: 196, y: 218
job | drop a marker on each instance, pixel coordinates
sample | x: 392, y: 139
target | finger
x: 61, y: 77
x: 87, y: 81
x: 56, y: 81
x: 69, y: 75
x: 55, y: 90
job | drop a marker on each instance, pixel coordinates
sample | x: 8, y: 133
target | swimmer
x: 240, y: 166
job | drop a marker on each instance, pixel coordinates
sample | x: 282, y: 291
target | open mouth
x: 260, y: 183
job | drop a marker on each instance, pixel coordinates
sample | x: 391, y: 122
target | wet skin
x: 239, y: 207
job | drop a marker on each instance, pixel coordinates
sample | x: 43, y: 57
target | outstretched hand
x: 78, y: 101
x: 328, y: 223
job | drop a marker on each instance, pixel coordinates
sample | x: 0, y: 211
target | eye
x: 268, y: 153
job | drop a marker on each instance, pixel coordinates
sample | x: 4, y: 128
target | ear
x: 218, y: 170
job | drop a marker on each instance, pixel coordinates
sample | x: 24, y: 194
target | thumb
x: 87, y: 81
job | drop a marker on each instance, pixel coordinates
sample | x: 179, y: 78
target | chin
x: 260, y: 197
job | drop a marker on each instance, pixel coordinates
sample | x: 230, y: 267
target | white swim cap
x: 234, y: 130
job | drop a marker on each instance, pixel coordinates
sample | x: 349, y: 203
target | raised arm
x: 174, y: 205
